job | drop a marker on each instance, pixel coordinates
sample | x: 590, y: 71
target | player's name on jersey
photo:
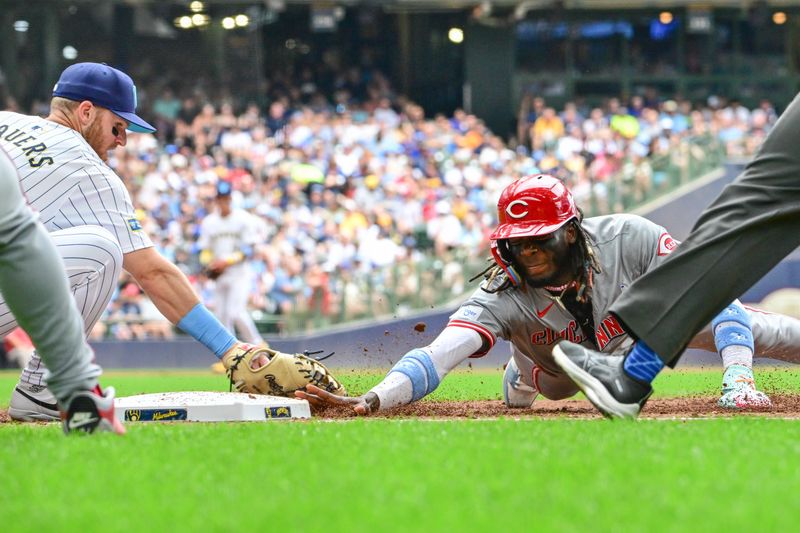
x: 226, y: 235
x: 30, y: 145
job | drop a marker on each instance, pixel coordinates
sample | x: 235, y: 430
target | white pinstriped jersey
x: 66, y: 182
x: 224, y: 236
x: 627, y: 246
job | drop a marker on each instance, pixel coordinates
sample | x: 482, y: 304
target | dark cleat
x: 603, y: 380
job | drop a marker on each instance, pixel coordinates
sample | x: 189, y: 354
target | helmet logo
x: 510, y: 212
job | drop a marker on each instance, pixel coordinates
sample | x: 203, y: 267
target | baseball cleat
x: 30, y: 404
x: 91, y: 411
x: 739, y: 390
x: 603, y: 380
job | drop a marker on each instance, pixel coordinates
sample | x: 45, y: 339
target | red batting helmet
x: 533, y: 205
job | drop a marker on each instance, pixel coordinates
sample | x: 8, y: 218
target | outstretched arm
x: 163, y: 282
x: 416, y: 375
x: 173, y: 295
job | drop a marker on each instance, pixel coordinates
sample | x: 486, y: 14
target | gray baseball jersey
x: 627, y: 246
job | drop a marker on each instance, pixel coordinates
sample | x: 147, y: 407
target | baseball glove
x: 282, y: 374
x: 215, y: 269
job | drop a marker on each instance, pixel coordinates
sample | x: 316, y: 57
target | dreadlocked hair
x: 490, y: 273
x: 583, y: 261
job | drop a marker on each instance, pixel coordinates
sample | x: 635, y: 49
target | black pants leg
x: 747, y: 230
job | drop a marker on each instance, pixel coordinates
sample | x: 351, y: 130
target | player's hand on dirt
x: 362, y: 405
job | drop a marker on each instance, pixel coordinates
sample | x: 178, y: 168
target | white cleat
x: 739, y: 390
x: 744, y: 400
x: 33, y: 404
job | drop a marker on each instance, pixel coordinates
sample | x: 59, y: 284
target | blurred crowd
x: 354, y: 192
x: 633, y: 143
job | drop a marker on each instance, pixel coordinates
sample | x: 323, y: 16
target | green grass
x: 368, y: 475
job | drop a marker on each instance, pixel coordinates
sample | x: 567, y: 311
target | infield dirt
x: 783, y: 406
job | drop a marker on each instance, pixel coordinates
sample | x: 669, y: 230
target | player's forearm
x: 172, y: 294
x: 174, y: 297
x: 163, y: 283
x: 170, y: 291
x: 420, y: 371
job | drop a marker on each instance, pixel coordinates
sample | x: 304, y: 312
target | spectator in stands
x: 530, y: 109
x: 166, y: 108
x: 546, y: 131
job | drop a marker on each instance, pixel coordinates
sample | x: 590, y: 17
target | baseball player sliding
x: 554, y: 277
x: 61, y: 161
x: 227, y: 238
x: 33, y: 283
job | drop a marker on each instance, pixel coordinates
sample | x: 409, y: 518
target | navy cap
x: 224, y: 188
x: 104, y: 86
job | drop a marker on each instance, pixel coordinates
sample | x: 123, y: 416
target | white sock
x: 394, y: 390
x: 734, y: 354
x: 33, y: 373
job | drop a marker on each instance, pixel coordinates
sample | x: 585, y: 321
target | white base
x: 208, y: 407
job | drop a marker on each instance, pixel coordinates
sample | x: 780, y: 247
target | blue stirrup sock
x: 643, y: 363
x: 733, y: 336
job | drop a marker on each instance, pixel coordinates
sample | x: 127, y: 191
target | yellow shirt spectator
x: 626, y: 125
x: 352, y: 222
x: 547, y: 129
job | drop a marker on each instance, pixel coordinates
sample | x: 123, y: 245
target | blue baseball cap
x: 104, y: 86
x: 224, y: 188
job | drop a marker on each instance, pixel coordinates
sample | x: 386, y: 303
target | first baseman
x: 33, y: 284
x: 554, y: 278
x: 61, y: 161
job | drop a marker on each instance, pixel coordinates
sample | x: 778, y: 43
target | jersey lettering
x: 548, y: 336
x: 608, y: 330
x: 224, y: 235
x: 14, y: 135
x: 23, y: 141
x: 19, y: 138
x: 36, y: 148
x: 36, y: 163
